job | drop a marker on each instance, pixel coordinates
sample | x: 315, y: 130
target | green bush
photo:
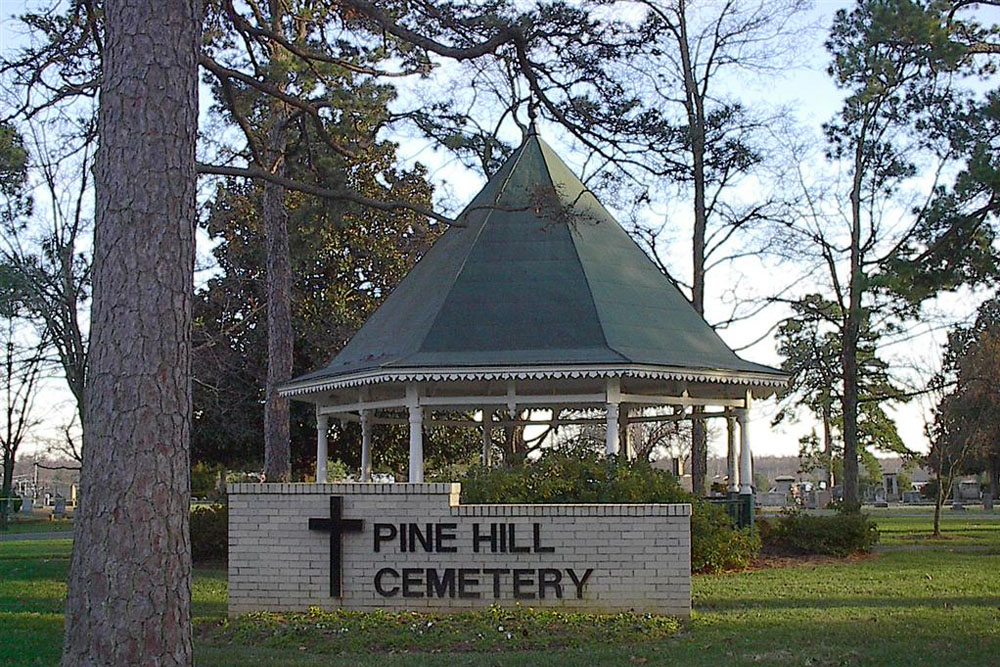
x: 205, y: 480
x: 798, y: 534
x: 210, y: 533
x: 583, y: 476
x: 715, y: 544
x: 11, y: 505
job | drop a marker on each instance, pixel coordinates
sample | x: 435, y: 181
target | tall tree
x: 661, y: 117
x: 902, y: 72
x: 271, y: 63
x: 22, y: 363
x: 965, y: 434
x: 130, y: 576
x: 344, y: 261
x: 810, y: 343
x: 812, y: 355
x: 22, y: 353
x: 292, y: 69
x: 45, y: 254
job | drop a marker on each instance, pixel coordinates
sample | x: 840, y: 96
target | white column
x: 366, y: 447
x: 731, y: 470
x: 322, y: 426
x: 746, y: 472
x: 416, y: 435
x: 613, y: 400
x: 487, y: 436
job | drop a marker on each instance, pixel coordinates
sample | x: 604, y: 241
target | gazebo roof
x: 538, y: 277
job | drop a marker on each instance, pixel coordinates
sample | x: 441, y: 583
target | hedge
x: 795, y: 533
x: 584, y: 476
x: 210, y: 533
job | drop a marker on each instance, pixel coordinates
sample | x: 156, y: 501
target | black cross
x: 337, y: 525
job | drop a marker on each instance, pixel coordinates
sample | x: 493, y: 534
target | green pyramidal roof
x: 540, y: 274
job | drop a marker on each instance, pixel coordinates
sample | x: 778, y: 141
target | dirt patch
x: 768, y: 562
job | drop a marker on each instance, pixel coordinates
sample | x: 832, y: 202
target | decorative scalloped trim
x: 526, y: 374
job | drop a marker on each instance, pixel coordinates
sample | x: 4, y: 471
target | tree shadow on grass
x: 859, y: 602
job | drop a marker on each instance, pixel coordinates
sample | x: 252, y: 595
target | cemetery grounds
x: 916, y: 602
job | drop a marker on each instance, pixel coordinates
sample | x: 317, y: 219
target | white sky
x: 808, y: 92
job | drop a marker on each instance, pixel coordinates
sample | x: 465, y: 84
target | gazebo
x: 536, y: 298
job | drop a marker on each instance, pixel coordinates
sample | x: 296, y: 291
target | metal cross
x: 337, y: 525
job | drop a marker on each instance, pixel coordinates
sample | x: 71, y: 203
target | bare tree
x: 707, y: 141
x: 45, y: 255
x: 130, y: 576
x: 22, y: 363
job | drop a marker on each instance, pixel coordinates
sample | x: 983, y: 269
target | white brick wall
x: 640, y: 554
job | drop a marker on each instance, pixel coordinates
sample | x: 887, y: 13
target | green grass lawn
x: 970, y: 528
x: 38, y: 526
x: 911, y: 608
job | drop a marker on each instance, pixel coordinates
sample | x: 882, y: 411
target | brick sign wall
x: 413, y: 546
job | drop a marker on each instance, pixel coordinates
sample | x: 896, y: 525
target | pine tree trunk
x: 130, y: 577
x: 828, y: 445
x: 938, y: 502
x: 852, y: 335
x: 694, y: 107
x: 7, y: 487
x: 850, y: 404
x: 994, y: 484
x: 280, y: 340
x: 699, y: 455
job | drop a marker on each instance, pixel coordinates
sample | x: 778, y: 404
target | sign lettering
x: 519, y: 583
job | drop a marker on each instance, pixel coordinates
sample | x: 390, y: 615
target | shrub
x: 799, y: 534
x: 205, y: 480
x: 11, y: 505
x: 210, y: 533
x: 583, y: 476
x: 715, y: 544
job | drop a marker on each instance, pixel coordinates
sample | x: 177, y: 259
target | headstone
x: 677, y: 466
x: 987, y: 501
x: 771, y: 499
x: 26, y: 505
x: 59, y: 508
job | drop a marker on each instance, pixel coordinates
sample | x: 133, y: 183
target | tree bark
x: 850, y: 402
x: 938, y: 502
x: 7, y: 487
x: 852, y: 333
x: 994, y: 472
x: 694, y: 105
x: 130, y: 576
x: 828, y: 443
x: 280, y: 340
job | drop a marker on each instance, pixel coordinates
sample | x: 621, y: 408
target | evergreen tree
x: 902, y: 65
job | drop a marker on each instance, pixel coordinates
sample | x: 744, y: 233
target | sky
x: 804, y: 88
x: 810, y: 94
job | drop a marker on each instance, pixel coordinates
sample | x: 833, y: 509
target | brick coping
x: 436, y: 488
x: 453, y: 491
